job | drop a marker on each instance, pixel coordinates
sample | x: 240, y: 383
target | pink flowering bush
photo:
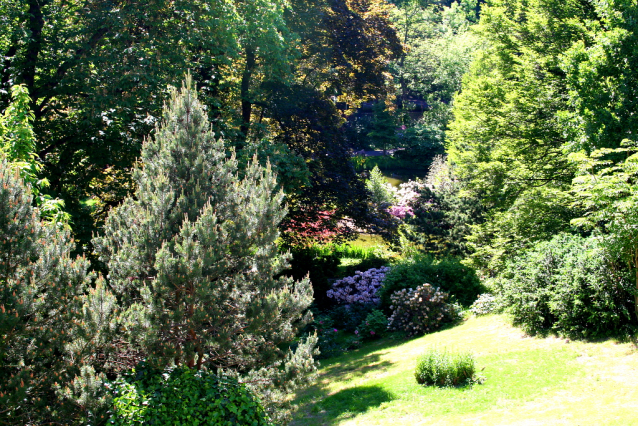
x: 400, y: 212
x: 374, y: 326
x: 360, y: 288
x: 419, y: 311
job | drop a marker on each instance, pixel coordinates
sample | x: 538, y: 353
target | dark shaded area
x: 355, y: 401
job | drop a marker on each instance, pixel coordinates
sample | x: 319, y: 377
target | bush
x: 333, y: 338
x: 569, y: 286
x: 442, y: 368
x: 320, y: 266
x: 448, y: 274
x: 363, y: 265
x: 374, y: 326
x: 360, y: 288
x: 485, y: 304
x: 350, y: 317
x: 183, y: 396
x: 420, y: 310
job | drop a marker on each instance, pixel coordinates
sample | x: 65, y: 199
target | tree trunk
x: 246, y: 103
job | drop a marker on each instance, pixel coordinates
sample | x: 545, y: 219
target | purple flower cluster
x: 401, y: 211
x: 360, y: 288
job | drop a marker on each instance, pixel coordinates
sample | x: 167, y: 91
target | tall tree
x: 193, y: 253
x: 50, y: 324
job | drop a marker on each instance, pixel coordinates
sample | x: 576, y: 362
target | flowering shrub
x: 360, y: 288
x: 400, y: 212
x: 420, y: 310
x: 409, y: 192
x: 485, y: 304
x: 374, y: 326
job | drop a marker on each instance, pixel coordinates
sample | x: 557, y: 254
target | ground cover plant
x: 528, y: 380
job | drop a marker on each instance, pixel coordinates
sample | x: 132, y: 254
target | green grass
x: 349, y: 251
x: 389, y: 163
x: 529, y: 381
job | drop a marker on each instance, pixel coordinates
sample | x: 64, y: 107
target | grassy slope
x: 530, y: 381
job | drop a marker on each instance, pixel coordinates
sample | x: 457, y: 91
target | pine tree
x: 192, y: 257
x: 45, y: 339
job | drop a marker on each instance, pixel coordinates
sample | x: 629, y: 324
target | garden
x: 318, y: 212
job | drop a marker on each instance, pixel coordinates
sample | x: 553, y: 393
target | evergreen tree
x: 192, y: 257
x: 46, y: 340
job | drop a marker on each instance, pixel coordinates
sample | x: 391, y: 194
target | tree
x: 607, y: 189
x: 439, y: 47
x: 193, y: 253
x: 51, y: 325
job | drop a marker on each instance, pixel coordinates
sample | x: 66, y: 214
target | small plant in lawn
x: 439, y: 367
x: 419, y: 311
x: 485, y: 304
x: 374, y: 326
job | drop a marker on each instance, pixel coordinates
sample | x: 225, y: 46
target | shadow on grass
x: 350, y: 402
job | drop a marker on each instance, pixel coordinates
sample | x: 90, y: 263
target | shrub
x: 360, y: 288
x: 442, y: 368
x: 349, y: 317
x: 420, y: 310
x: 485, y: 304
x: 374, y: 326
x: 333, y: 338
x: 569, y: 286
x: 363, y: 265
x: 318, y: 266
x: 183, y: 396
x: 447, y: 273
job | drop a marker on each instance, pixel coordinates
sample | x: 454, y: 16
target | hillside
x: 529, y: 381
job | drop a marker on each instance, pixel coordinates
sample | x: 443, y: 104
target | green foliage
x: 336, y: 333
x: 443, y: 212
x: 441, y: 48
x: 183, y: 395
x: 47, y: 336
x: 537, y: 214
x: 444, y: 368
x: 607, y: 189
x: 381, y: 192
x: 319, y: 266
x: 382, y: 133
x: 419, y: 310
x: 569, y: 286
x: 374, y: 326
x: 193, y: 255
x: 447, y: 273
x: 18, y: 144
x: 386, y: 162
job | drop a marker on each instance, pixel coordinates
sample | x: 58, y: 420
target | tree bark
x: 246, y: 103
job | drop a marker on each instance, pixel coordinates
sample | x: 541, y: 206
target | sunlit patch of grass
x: 528, y: 381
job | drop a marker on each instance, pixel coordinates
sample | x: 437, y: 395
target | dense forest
x: 189, y: 188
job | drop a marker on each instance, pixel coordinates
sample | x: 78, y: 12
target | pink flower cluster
x: 360, y: 288
x: 401, y: 211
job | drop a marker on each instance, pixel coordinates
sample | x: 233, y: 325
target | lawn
x: 529, y: 381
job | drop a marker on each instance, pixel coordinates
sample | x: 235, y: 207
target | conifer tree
x: 45, y: 338
x: 192, y: 257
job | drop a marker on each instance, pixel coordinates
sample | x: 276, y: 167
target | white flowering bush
x: 419, y: 311
x: 360, y: 288
x: 485, y: 304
